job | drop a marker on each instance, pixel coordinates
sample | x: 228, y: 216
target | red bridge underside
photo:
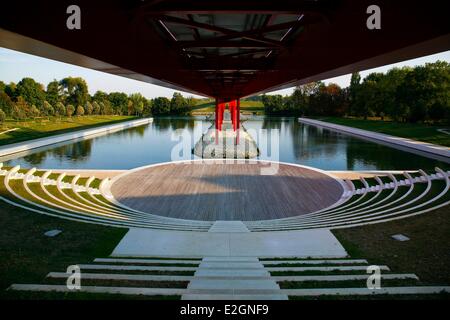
x: 226, y: 49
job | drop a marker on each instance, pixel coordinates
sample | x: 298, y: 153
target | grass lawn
x: 427, y: 254
x: 27, y: 255
x: 416, y: 131
x: 33, y: 129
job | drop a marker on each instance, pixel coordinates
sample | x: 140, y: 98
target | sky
x: 16, y: 65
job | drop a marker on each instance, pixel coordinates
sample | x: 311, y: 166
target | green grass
x: 34, y: 129
x: 415, y: 131
x: 28, y: 255
x: 426, y: 253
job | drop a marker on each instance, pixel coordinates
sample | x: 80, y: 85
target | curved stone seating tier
x: 389, y: 201
x: 383, y: 199
x: 55, y: 197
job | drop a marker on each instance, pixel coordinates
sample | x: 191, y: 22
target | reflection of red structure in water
x: 233, y: 107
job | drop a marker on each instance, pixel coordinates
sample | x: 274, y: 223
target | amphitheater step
x: 234, y: 297
x: 343, y: 261
x: 232, y: 278
x: 256, y: 273
x: 228, y: 226
x: 117, y: 276
x: 365, y: 291
x: 344, y: 277
x: 231, y: 265
x: 133, y: 267
x: 230, y: 259
x: 326, y: 269
x: 98, y: 289
x: 233, y: 284
x: 146, y: 261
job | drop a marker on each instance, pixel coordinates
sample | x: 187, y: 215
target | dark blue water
x: 296, y: 143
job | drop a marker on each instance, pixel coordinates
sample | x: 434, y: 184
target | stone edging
x: 404, y: 142
x: 80, y: 134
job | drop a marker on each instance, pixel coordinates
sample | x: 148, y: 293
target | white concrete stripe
x: 144, y: 261
x: 343, y: 277
x: 118, y: 276
x: 97, y: 289
x: 365, y: 291
x: 341, y: 261
x: 133, y: 268
x: 331, y: 268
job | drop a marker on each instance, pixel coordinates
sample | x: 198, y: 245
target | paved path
x: 396, y: 141
x: 159, y: 243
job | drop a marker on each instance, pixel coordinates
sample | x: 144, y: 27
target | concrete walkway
x: 317, y: 243
x: 395, y: 141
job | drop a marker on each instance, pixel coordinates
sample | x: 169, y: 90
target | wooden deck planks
x: 212, y: 191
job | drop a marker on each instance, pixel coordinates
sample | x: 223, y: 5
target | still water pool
x: 296, y: 143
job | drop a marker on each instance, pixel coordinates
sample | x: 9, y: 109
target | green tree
x: 95, y: 107
x: 118, y: 103
x: 53, y: 92
x: 147, y: 107
x: 34, y: 112
x: 355, y: 83
x: 60, y: 110
x: 48, y: 109
x: 80, y: 111
x: 21, y: 109
x: 74, y: 90
x: 31, y: 91
x: 178, y: 104
x: 70, y: 109
x: 425, y: 91
x: 10, y: 90
x: 6, y: 104
x: 88, y: 108
x: 161, y: 106
x: 2, y: 116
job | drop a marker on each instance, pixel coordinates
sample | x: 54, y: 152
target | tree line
x: 403, y: 94
x: 70, y: 96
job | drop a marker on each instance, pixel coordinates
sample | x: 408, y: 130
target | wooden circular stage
x: 226, y: 191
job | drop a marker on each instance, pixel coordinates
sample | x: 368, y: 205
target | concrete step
x: 343, y: 261
x: 365, y: 291
x: 234, y: 297
x: 117, y: 276
x: 232, y: 273
x: 331, y: 268
x: 97, y: 289
x: 230, y: 259
x: 233, y: 284
x: 228, y: 226
x: 233, y: 291
x: 231, y: 265
x: 344, y: 277
x: 133, y: 268
x: 148, y: 261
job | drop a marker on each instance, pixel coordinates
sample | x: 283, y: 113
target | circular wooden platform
x: 219, y: 191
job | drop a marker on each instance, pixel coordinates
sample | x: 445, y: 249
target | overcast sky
x: 15, y: 65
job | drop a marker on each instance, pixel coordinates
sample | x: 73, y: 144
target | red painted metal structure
x: 233, y: 108
x: 226, y: 49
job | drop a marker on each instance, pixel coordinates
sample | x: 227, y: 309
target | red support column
x: 238, y: 113
x: 216, y: 118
